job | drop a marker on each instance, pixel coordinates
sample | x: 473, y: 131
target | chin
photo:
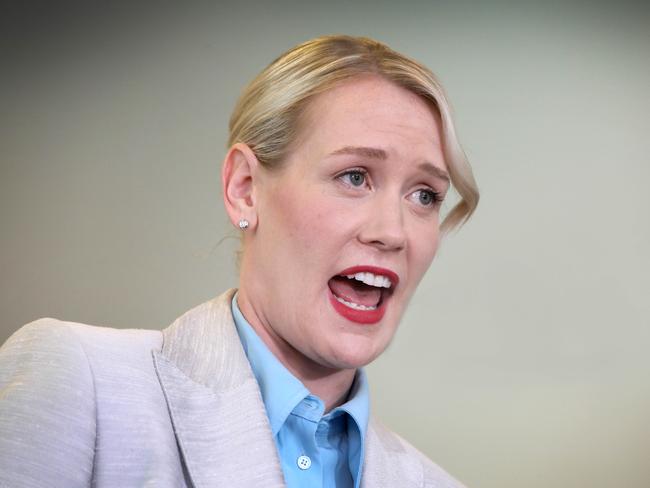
x: 354, y: 354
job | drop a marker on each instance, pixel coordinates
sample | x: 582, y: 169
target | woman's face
x: 352, y: 216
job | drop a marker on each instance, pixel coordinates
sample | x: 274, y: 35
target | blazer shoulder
x: 50, y: 332
x: 42, y: 343
x: 57, y: 381
x: 433, y: 476
x: 47, y: 394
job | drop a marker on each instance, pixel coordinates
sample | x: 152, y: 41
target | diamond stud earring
x: 243, y: 224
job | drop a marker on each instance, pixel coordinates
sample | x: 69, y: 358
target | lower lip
x: 358, y: 316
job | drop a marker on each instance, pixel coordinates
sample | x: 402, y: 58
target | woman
x: 341, y: 152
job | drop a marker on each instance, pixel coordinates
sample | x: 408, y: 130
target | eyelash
x: 350, y: 172
x: 436, y: 197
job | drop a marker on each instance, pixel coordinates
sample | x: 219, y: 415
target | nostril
x: 396, y: 243
x: 384, y: 236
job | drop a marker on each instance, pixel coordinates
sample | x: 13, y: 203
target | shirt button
x: 304, y: 462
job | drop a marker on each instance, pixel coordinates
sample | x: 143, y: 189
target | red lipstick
x: 364, y: 316
x: 394, y: 279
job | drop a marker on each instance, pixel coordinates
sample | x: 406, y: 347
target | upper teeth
x: 372, y: 279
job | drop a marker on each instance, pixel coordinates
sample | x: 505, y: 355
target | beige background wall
x: 523, y: 361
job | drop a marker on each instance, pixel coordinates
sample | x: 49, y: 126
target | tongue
x: 355, y: 291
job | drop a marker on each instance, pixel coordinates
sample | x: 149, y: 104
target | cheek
x: 310, y: 221
x: 423, y: 251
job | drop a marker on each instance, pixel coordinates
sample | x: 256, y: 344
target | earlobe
x: 237, y: 177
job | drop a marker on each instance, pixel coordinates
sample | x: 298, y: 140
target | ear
x: 239, y: 169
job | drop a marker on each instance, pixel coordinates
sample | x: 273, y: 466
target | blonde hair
x: 267, y: 114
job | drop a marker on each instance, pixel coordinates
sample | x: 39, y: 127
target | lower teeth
x: 355, y: 306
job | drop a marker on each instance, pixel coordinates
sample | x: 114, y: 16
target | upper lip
x: 391, y: 275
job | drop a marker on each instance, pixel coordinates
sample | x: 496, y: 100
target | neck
x: 331, y: 385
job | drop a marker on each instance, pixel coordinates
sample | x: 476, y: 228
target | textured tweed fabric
x: 84, y: 406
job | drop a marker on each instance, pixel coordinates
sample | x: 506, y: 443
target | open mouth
x: 360, y: 293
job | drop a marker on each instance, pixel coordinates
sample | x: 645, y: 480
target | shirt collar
x: 358, y: 402
x: 282, y: 391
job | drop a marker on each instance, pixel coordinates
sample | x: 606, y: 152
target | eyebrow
x: 376, y: 153
x: 366, y: 152
x: 434, y: 171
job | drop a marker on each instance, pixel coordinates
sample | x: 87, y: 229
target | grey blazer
x: 88, y: 406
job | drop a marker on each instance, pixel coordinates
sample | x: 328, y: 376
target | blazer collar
x: 219, y: 417
x: 214, y: 401
x: 387, y: 463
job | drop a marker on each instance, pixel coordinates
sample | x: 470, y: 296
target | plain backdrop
x: 523, y: 359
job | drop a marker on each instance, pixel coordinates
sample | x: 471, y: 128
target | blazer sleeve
x: 47, y: 408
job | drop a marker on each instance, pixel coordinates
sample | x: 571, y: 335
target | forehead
x: 372, y: 112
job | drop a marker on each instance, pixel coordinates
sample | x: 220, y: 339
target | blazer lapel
x: 214, y: 401
x: 386, y: 462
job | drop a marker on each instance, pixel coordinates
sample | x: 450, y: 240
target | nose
x: 384, y: 226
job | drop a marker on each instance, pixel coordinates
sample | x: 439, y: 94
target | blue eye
x: 428, y: 198
x: 355, y: 177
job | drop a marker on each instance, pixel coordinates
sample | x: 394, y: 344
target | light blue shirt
x: 315, y: 450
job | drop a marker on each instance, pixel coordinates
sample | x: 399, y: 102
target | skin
x: 310, y: 220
